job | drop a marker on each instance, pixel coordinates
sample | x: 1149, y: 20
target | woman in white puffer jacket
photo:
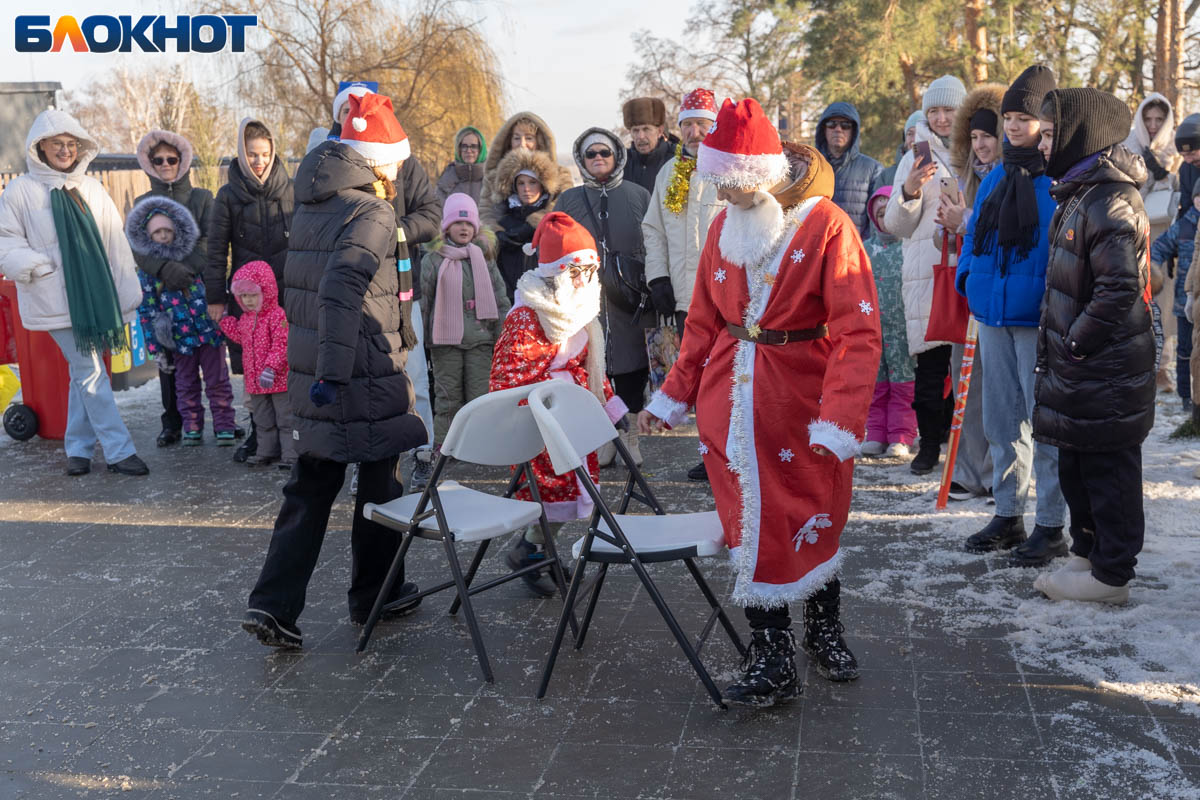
x: 911, y: 215
x: 57, y: 153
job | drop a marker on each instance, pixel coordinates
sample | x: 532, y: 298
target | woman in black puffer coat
x: 350, y: 396
x: 1095, y: 382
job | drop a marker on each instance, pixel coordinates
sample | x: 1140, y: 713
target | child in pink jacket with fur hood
x: 262, y: 333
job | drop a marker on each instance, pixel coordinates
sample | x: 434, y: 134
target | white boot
x: 630, y: 439
x: 1079, y: 585
x: 606, y: 453
x: 873, y: 448
x: 1076, y: 564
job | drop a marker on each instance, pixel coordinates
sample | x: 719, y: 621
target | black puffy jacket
x: 1095, y: 365
x: 340, y: 288
x: 253, y: 220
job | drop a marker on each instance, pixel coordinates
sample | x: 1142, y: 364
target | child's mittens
x: 176, y: 277
x: 266, y: 378
x: 164, y: 363
x: 163, y: 332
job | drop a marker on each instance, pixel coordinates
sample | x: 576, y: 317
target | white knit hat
x: 946, y: 91
x: 343, y: 97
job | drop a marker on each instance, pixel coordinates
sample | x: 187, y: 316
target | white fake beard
x: 750, y: 235
x: 562, y: 309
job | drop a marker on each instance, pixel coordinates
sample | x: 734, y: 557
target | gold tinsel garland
x: 681, y: 181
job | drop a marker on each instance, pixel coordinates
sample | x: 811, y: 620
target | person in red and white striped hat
x: 553, y: 332
x: 783, y: 330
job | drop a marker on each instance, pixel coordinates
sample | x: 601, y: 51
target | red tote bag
x: 948, y: 313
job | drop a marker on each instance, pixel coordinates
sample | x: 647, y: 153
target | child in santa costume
x: 553, y: 332
x: 779, y: 356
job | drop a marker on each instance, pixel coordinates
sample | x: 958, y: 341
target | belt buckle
x: 785, y: 336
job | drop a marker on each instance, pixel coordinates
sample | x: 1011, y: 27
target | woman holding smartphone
x: 911, y: 215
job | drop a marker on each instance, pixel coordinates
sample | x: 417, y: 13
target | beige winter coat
x: 913, y: 222
x: 495, y: 189
x: 29, y: 254
x: 674, y: 241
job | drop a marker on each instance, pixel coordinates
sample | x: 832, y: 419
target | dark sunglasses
x: 605, y: 153
x: 839, y: 124
x: 158, y: 161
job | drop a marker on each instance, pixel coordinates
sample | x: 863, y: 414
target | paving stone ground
x: 123, y: 671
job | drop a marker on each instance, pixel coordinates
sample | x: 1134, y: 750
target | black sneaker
x: 130, y: 466
x: 698, y: 473
x: 271, y: 631
x: 168, y: 437
x: 422, y: 470
x: 959, y: 492
x: 1002, y: 533
x: 524, y: 553
x: 769, y: 670
x: 78, y: 465
x: 401, y: 606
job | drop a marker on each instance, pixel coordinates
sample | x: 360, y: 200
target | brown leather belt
x: 776, y: 337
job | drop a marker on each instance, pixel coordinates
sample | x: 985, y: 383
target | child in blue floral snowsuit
x: 176, y: 319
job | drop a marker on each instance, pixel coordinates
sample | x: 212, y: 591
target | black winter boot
x: 249, y: 447
x: 823, y: 631
x: 1043, y: 546
x: 1002, y: 533
x: 930, y: 428
x: 769, y: 670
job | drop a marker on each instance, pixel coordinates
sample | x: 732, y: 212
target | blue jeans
x: 1009, y: 356
x: 91, y: 408
x: 1183, y: 357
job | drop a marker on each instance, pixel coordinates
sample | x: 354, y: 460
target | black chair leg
x: 468, y: 611
x: 471, y: 570
x: 384, y: 591
x: 594, y: 596
x: 715, y: 604
x: 568, y: 613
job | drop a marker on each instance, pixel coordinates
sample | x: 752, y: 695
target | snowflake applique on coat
x: 797, y: 255
x: 703, y: 448
x: 719, y: 276
x: 786, y: 455
x: 808, y: 533
x: 865, y: 307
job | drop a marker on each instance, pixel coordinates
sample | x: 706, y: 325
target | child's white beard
x: 751, y: 234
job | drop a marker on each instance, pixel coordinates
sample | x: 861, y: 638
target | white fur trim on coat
x: 670, y: 411
x: 741, y: 171
x: 834, y: 438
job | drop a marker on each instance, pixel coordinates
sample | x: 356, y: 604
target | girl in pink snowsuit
x: 262, y: 333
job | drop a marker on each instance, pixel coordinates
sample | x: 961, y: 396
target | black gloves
x: 176, y: 277
x: 663, y: 296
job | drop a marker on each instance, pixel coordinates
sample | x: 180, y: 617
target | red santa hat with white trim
x: 742, y: 151
x: 698, y: 103
x: 372, y: 129
x: 561, y: 243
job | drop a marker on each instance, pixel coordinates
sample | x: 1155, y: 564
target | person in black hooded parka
x: 1095, y: 367
x: 347, y: 340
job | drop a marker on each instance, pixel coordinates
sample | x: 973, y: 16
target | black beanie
x: 1187, y: 135
x: 1026, y: 93
x: 1086, y: 121
x: 984, y: 120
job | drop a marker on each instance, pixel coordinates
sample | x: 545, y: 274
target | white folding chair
x: 492, y: 430
x: 572, y: 424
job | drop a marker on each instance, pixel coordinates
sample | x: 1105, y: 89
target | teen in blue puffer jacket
x: 1179, y: 242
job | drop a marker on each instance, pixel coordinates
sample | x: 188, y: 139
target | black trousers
x: 631, y: 388
x: 300, y: 527
x: 171, y: 418
x: 933, y: 406
x: 781, y: 617
x: 1104, y: 493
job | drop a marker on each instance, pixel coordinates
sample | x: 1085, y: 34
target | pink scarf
x: 448, y: 304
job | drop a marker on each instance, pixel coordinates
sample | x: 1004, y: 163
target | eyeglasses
x: 468, y: 147
x: 605, y: 153
x: 158, y: 161
x: 57, y: 144
x: 839, y: 125
x: 583, y: 272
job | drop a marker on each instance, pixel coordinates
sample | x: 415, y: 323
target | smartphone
x: 921, y: 154
x: 949, y: 186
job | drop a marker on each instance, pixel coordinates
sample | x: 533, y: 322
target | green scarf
x: 91, y: 294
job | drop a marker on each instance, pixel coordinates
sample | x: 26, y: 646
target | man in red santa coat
x: 779, y: 357
x: 552, y: 331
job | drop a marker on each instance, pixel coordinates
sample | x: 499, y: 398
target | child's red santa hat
x: 561, y: 243
x: 372, y: 129
x: 742, y: 151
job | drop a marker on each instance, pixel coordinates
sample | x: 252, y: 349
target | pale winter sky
x: 563, y: 59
